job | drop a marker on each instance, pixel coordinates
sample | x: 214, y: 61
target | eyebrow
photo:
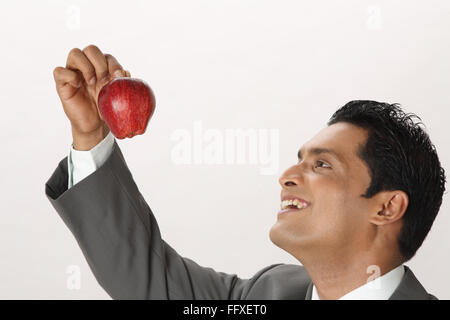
x: 317, y: 151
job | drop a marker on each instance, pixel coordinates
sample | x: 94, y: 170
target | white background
x: 286, y: 65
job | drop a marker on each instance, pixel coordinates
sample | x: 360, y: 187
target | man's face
x: 332, y: 182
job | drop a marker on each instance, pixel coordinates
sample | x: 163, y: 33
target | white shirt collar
x: 380, y: 288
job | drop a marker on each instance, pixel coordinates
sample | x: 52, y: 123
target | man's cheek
x: 330, y: 216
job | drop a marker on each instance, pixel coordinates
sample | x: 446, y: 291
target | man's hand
x: 78, y: 85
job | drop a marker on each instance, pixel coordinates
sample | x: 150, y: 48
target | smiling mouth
x: 292, y: 204
x: 291, y: 208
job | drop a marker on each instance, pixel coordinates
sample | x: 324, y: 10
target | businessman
x: 354, y: 209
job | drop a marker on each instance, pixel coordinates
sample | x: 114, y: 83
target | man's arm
x: 120, y: 238
x: 108, y: 216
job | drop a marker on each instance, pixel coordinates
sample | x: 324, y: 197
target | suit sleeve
x: 121, y: 241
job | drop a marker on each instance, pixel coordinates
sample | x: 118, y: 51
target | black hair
x: 400, y: 156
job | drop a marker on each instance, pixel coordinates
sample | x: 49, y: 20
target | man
x: 355, y: 207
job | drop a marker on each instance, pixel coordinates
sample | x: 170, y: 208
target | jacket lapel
x: 309, y: 291
x: 410, y: 289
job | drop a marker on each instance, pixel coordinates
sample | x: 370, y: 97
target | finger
x: 114, y: 67
x: 127, y: 73
x: 67, y: 82
x: 65, y: 76
x: 78, y: 61
x: 98, y: 60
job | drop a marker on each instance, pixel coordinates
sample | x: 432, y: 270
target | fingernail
x: 118, y: 73
x: 92, y: 81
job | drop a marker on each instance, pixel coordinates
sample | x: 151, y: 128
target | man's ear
x: 389, y: 207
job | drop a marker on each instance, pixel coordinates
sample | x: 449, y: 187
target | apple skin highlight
x: 126, y: 105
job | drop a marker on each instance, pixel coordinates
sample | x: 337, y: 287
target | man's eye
x: 322, y: 164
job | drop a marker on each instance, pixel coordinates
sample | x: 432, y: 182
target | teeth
x: 296, y: 202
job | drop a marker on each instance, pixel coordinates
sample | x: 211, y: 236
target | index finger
x: 98, y: 60
x: 114, y: 66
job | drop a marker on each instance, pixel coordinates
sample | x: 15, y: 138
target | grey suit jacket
x: 121, y: 241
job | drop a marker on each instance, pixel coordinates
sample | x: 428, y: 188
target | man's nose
x: 290, y: 177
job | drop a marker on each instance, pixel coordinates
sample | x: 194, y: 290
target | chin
x: 289, y: 242
x: 273, y: 236
x: 278, y: 236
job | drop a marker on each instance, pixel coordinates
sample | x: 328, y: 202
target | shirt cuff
x: 83, y: 163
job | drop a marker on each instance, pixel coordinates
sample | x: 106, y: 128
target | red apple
x: 126, y: 105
